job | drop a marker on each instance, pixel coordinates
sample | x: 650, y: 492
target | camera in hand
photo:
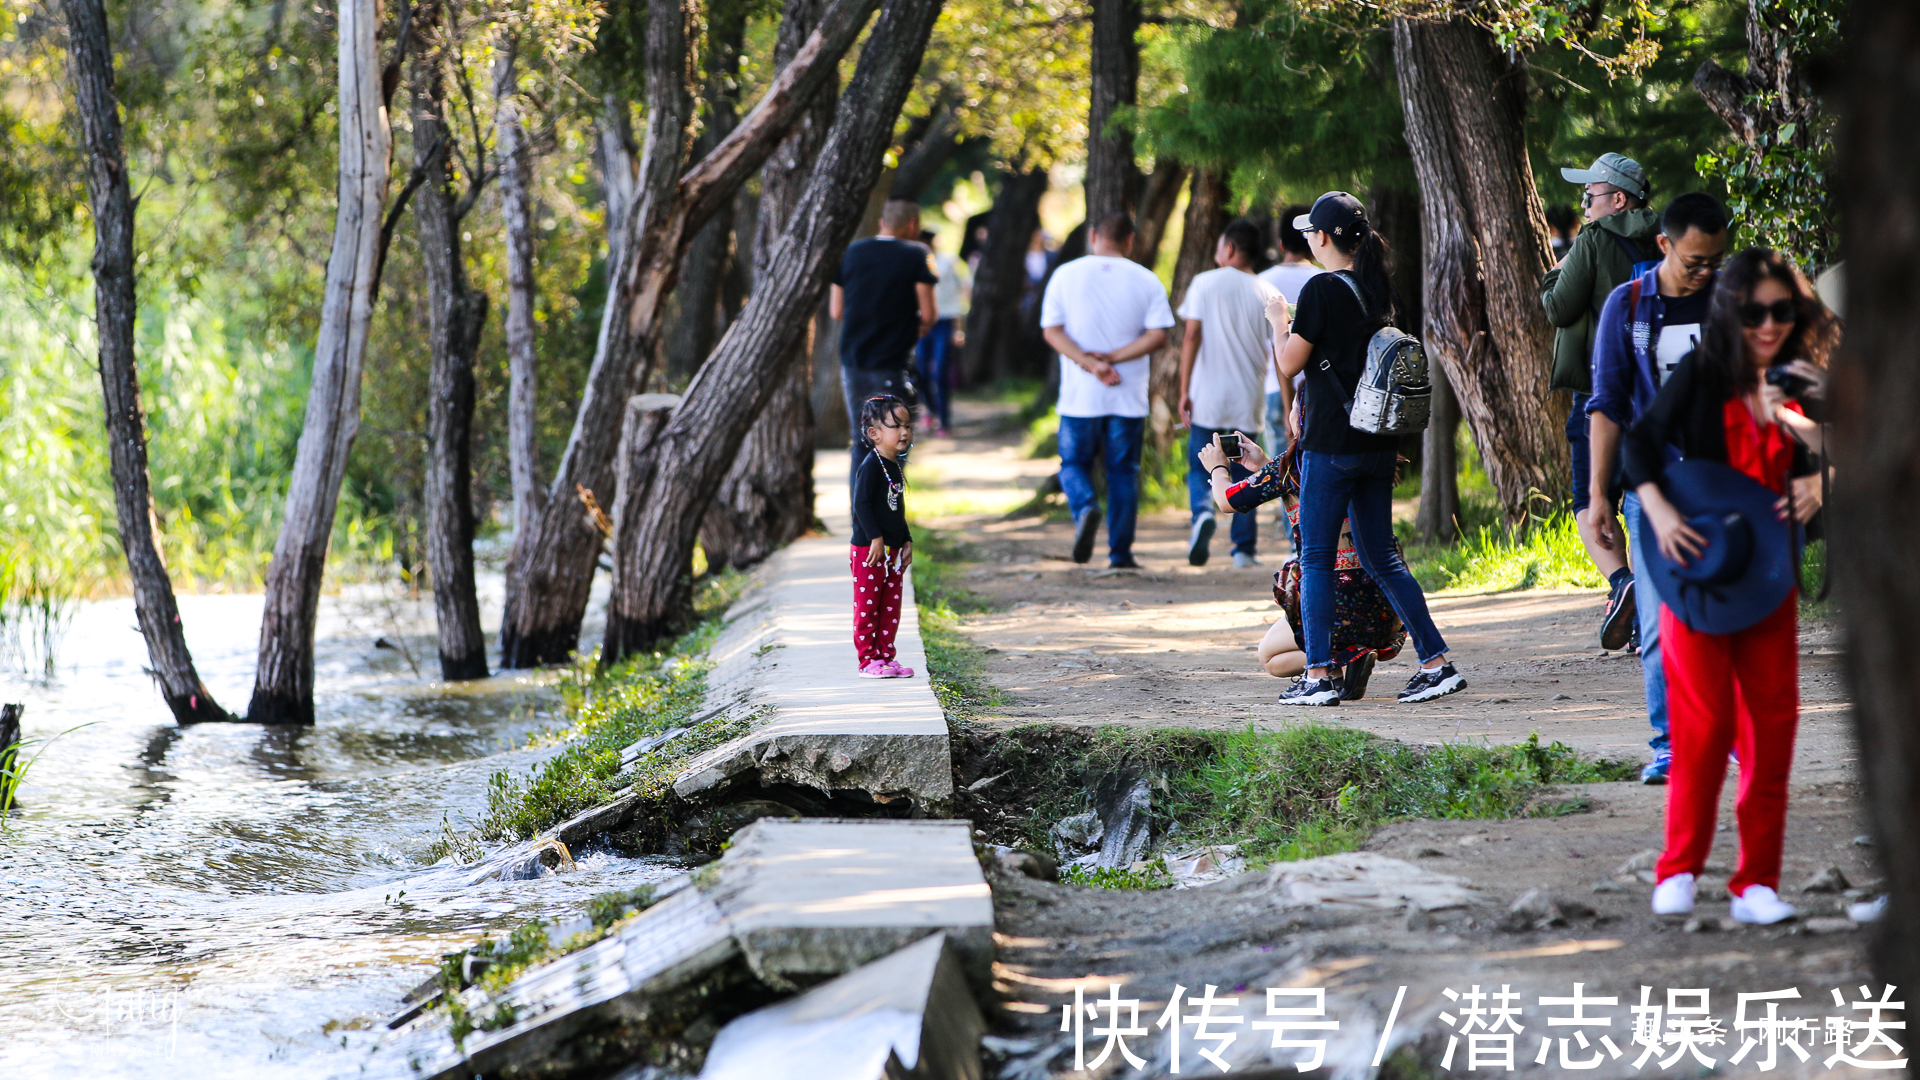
x: 1230, y: 445
x: 1790, y: 384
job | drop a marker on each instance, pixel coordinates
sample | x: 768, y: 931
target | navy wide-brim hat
x: 1747, y: 567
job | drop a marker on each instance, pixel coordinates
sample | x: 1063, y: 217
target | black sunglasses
x: 1781, y: 311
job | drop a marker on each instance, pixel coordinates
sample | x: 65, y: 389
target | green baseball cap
x: 1617, y: 169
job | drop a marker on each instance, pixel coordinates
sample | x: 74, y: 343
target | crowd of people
x: 1694, y: 383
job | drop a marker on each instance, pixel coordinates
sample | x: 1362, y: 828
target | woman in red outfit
x: 1734, y: 692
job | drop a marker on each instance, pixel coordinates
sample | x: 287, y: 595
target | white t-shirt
x: 1103, y: 303
x: 1234, y: 345
x: 948, y: 297
x: 1288, y: 278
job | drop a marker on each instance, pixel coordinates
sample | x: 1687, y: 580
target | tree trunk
x: 692, y: 319
x: 1159, y: 191
x: 457, y: 314
x: 1207, y: 217
x: 547, y: 592
x: 1484, y: 240
x: 90, y: 61
x: 681, y: 470
x: 766, y: 499
x: 283, y: 684
x: 619, y: 166
x: 516, y: 204
x: 927, y: 155
x: 1876, y: 389
x: 1112, y: 181
x: 1773, y: 71
x: 992, y: 350
x: 1438, y: 519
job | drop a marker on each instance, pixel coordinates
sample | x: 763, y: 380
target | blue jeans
x: 1246, y: 527
x: 1116, y: 439
x: 1357, y: 488
x: 1646, y: 606
x: 933, y: 353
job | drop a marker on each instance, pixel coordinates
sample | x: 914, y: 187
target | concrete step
x: 789, y: 645
x: 909, y: 1014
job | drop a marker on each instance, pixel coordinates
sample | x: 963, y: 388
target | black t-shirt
x: 1680, y: 330
x: 1330, y: 316
x: 877, y: 511
x: 881, y: 321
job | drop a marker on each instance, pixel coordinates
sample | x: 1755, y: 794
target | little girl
x: 882, y: 547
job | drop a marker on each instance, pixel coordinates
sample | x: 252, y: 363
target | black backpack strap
x: 1633, y: 251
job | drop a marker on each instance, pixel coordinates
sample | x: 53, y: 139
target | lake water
x: 229, y: 900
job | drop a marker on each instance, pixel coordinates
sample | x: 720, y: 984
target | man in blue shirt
x: 1647, y: 325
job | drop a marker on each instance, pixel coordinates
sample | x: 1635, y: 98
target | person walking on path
x: 883, y: 295
x: 882, y: 547
x: 935, y: 351
x: 1619, y: 234
x: 1287, y: 275
x: 1347, y: 474
x: 1223, y: 356
x: 1105, y: 314
x: 1646, y: 326
x: 1737, y: 689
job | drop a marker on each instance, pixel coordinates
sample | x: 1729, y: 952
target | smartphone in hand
x: 1230, y: 446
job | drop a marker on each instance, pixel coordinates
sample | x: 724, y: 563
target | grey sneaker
x: 1200, y: 538
x: 1305, y: 691
x: 1244, y: 559
x: 1427, y: 685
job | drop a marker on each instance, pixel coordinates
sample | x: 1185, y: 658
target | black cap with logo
x: 1336, y: 213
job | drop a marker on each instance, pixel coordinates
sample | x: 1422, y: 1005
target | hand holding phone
x: 1230, y: 446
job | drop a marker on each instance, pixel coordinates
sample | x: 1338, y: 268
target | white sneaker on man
x: 1761, y: 906
x: 1244, y: 559
x: 1674, y: 896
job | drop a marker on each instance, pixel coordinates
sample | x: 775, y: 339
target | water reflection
x: 232, y: 900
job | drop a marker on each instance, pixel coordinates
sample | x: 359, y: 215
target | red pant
x: 876, y: 606
x: 1730, y: 691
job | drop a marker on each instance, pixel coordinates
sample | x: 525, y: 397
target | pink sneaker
x: 875, y: 669
x: 895, y: 671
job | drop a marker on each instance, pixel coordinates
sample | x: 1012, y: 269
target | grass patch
x: 1300, y: 792
x: 493, y: 964
x: 608, y: 711
x: 1547, y: 554
x: 956, y: 667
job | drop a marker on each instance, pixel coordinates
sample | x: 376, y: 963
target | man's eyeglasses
x: 1694, y: 264
x: 1780, y: 311
x: 1587, y: 197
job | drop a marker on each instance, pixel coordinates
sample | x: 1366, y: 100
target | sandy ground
x: 1173, y: 645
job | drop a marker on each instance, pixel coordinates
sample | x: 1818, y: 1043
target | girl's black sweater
x: 1688, y: 415
x: 872, y: 517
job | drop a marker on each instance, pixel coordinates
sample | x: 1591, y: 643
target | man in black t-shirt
x: 883, y: 296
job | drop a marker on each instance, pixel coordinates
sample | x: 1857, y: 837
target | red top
x: 1762, y: 452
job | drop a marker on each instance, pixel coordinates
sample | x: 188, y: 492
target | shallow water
x: 232, y: 900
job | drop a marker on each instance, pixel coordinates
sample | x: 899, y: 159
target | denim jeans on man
x: 1246, y: 527
x: 1116, y: 441
x: 1358, y: 488
x: 859, y: 384
x: 1646, y: 611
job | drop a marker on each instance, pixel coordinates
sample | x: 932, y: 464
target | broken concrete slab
x: 814, y: 898
x: 909, y: 1014
x: 790, y: 903
x: 1360, y: 879
x: 787, y: 655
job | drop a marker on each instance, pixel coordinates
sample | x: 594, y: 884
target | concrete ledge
x: 789, y: 645
x: 792, y: 903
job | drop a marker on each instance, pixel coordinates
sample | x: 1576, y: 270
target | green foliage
x: 1777, y: 190
x: 13, y: 771
x: 1546, y: 554
x: 1153, y: 875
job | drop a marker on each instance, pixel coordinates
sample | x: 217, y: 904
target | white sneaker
x: 1761, y: 906
x: 1868, y: 910
x: 1243, y: 559
x: 1674, y: 896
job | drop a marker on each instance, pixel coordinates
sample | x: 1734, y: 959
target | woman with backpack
x: 1345, y: 473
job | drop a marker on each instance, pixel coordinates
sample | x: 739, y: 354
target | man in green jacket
x: 1619, y: 233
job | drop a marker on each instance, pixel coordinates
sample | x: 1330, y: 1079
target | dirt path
x: 1173, y: 645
